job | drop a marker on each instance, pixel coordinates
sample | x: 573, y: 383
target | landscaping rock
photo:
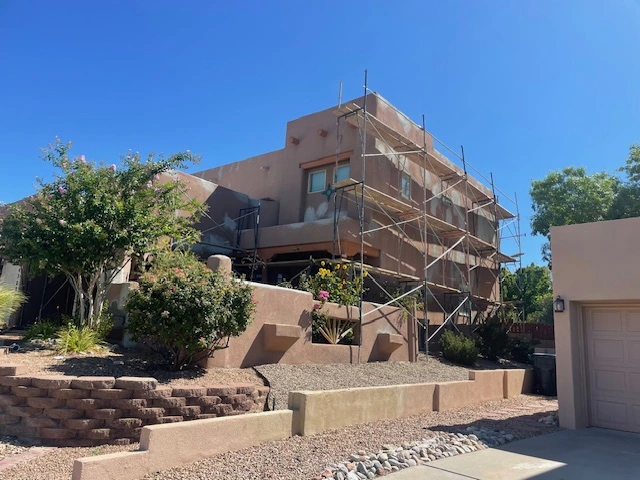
x: 392, y: 458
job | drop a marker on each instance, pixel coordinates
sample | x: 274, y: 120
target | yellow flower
x: 344, y: 267
x: 337, y: 266
x: 322, y: 263
x: 365, y: 274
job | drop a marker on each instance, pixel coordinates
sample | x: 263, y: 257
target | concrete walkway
x: 586, y: 454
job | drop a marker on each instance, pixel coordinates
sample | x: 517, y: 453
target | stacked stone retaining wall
x: 62, y: 410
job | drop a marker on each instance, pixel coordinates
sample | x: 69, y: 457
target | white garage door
x: 613, y: 367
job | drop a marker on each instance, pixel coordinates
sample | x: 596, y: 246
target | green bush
x: 520, y: 350
x: 10, y: 301
x: 492, y: 338
x: 458, y: 348
x: 74, y: 339
x: 43, y: 330
x: 185, y: 311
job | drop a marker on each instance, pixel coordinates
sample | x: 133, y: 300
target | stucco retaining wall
x: 63, y: 410
x: 166, y: 446
x: 278, y: 309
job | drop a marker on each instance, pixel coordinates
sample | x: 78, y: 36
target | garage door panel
x: 633, y: 321
x: 633, y: 349
x: 605, y: 321
x: 609, y: 380
x: 612, y: 340
x: 607, y: 351
x: 611, y: 412
x: 634, y: 382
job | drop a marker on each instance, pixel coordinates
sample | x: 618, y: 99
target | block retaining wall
x: 61, y: 410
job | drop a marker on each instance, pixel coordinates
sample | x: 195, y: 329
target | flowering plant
x: 339, y: 284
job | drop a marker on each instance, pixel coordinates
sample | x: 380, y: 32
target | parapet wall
x: 63, y: 410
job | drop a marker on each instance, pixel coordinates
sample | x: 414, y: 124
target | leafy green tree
x: 568, y: 197
x: 627, y: 201
x: 91, y: 218
x: 531, y: 288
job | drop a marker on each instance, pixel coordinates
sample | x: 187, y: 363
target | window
x: 317, y: 181
x: 342, y: 173
x: 405, y: 185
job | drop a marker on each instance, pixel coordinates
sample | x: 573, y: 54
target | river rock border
x: 392, y: 458
x: 61, y: 410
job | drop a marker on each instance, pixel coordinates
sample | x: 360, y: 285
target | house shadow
x: 547, y: 452
x: 124, y: 364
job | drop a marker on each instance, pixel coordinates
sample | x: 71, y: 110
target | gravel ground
x: 57, y: 464
x: 306, y: 457
x: 11, y: 446
x: 121, y: 362
x: 286, y: 378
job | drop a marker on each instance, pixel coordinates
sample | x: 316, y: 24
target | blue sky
x: 526, y: 87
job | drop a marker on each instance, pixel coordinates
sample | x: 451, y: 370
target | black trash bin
x: 544, y: 369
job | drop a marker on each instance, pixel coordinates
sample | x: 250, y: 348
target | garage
x: 613, y: 366
x: 596, y: 284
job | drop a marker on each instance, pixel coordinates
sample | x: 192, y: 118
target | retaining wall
x: 167, y: 446
x: 85, y: 411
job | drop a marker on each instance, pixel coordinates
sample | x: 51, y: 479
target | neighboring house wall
x: 596, y: 265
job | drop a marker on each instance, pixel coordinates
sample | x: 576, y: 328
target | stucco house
x: 596, y: 272
x: 365, y: 170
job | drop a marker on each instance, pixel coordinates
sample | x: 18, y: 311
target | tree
x: 531, y: 288
x: 571, y: 196
x: 627, y: 201
x: 91, y: 218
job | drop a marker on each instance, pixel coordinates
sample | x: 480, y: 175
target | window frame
x: 311, y: 174
x: 403, y: 176
x: 335, y: 172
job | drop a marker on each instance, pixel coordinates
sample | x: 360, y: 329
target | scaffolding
x: 418, y: 226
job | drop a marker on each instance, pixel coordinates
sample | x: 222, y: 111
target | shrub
x: 458, y: 348
x: 10, y: 301
x: 74, y: 339
x: 43, y: 330
x: 492, y: 338
x: 185, y: 311
x: 520, y: 349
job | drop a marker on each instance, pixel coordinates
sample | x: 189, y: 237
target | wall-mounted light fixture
x: 558, y: 304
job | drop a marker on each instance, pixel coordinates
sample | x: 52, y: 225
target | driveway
x: 585, y: 454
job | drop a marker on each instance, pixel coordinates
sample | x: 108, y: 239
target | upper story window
x: 317, y: 181
x: 342, y: 173
x: 405, y: 185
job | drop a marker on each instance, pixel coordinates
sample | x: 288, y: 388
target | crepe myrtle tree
x: 92, y: 218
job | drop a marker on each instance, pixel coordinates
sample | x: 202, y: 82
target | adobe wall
x: 281, y: 333
x: 64, y: 410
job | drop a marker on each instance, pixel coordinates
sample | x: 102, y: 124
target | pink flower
x: 323, y: 295
x: 156, y: 176
x: 188, y: 151
x: 149, y: 184
x: 62, y: 222
x: 112, y: 167
x: 83, y: 159
x: 316, y: 306
x: 62, y: 190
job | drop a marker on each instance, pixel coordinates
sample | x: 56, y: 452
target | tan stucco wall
x: 592, y: 263
x: 165, y: 446
x: 170, y: 445
x: 284, y: 306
